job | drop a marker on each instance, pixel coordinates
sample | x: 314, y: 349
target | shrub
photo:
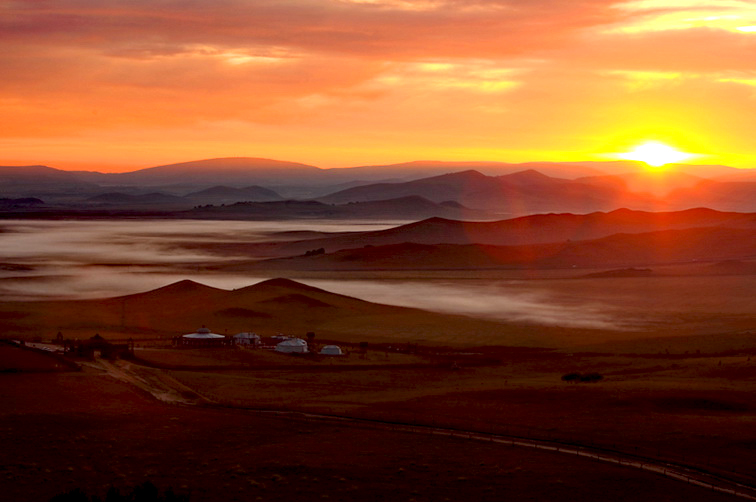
x: 146, y: 492
x: 571, y: 377
x: 576, y: 377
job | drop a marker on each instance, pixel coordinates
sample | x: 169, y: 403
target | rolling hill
x: 618, y: 250
x: 526, y: 230
x: 230, y: 195
x: 29, y: 181
x: 524, y: 192
x: 725, y: 196
x: 269, y: 307
x: 234, y: 171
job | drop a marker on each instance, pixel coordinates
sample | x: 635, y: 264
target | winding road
x: 168, y: 390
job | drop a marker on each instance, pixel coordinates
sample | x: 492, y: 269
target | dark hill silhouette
x: 281, y: 282
x: 234, y: 171
x: 660, y: 247
x: 628, y: 250
x: 406, y: 171
x: 22, y: 202
x: 177, y: 290
x: 437, y: 188
x: 402, y: 208
x: 274, y: 306
x: 229, y: 195
x: 733, y: 267
x: 518, y: 193
x: 654, y: 183
x: 504, y: 189
x: 727, y: 196
x: 24, y: 181
x: 526, y: 230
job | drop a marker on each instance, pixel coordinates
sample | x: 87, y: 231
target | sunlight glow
x: 662, y: 15
x: 655, y: 154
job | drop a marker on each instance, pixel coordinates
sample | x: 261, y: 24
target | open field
x: 674, y: 344
x: 696, y: 408
x: 616, y: 314
x: 85, y: 429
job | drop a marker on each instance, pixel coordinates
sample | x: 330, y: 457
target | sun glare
x: 655, y: 154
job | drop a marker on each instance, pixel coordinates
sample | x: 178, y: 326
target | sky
x: 128, y: 84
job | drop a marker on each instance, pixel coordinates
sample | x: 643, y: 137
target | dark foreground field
x: 86, y: 429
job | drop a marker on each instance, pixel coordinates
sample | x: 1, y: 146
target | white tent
x: 292, y: 345
x: 203, y: 337
x: 331, y: 350
x: 203, y: 334
x: 246, y: 339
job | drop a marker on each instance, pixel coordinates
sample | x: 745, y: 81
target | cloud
x: 389, y: 29
x: 415, y: 76
x: 694, y: 50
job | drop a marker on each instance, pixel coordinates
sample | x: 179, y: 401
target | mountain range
x: 723, y: 245
x: 523, y: 231
x: 488, y: 189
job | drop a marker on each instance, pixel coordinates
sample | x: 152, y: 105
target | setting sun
x: 655, y: 154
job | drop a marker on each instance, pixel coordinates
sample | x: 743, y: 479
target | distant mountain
x: 234, y: 171
x: 524, y: 192
x: 657, y: 184
x: 29, y: 181
x: 408, y: 171
x: 230, y: 195
x: 492, y: 187
x: 436, y: 188
x: 23, y: 202
x: 618, y: 250
x: 527, y: 230
x: 725, y: 196
x: 402, y: 208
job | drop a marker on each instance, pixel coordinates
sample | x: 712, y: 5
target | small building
x: 292, y: 346
x: 203, y: 337
x: 331, y: 350
x: 247, y: 339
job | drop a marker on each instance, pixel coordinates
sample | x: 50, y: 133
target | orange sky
x: 127, y: 84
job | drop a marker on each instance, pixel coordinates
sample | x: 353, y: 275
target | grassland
x: 679, y: 377
x: 85, y: 429
x: 694, y: 408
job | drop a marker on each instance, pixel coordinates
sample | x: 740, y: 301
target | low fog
x: 75, y: 259
x: 495, y: 300
x: 141, y: 242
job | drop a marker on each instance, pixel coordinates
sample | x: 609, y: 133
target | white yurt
x: 292, y: 346
x: 203, y: 337
x: 247, y: 339
x: 331, y: 350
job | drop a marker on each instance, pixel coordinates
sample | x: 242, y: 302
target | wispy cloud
x: 255, y: 77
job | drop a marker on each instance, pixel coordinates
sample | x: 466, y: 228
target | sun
x: 655, y: 154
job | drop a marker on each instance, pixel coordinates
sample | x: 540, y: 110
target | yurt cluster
x: 205, y: 338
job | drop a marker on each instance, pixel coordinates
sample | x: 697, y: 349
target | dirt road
x: 170, y: 391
